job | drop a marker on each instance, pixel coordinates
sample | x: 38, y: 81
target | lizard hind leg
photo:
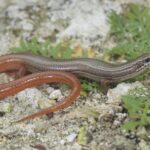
x: 20, y: 72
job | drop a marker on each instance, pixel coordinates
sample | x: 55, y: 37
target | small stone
x: 116, y: 123
x: 50, y: 90
x: 62, y: 142
x: 116, y: 93
x: 55, y: 94
x: 30, y: 96
x: 15, y: 12
x: 120, y: 117
x: 26, y: 25
x: 44, y: 103
x: 71, y: 137
x: 142, y: 133
x: 122, y: 142
x: 143, y: 145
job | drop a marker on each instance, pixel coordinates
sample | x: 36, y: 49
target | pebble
x: 62, y: 142
x: 71, y: 137
x: 50, y: 90
x: 44, y: 103
x: 26, y: 25
x: 56, y: 94
x: 142, y: 133
x: 16, y: 12
x: 63, y: 19
x: 143, y: 145
x: 116, y: 93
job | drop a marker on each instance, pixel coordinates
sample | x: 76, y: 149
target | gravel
x: 86, y: 22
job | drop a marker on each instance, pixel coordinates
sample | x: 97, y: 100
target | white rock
x: 26, y: 25
x: 71, y: 137
x: 15, y: 12
x: 5, y: 42
x: 143, y: 145
x: 62, y: 142
x: 50, y: 90
x: 116, y: 93
x: 31, y: 96
x: 116, y: 123
x: 56, y: 94
x: 86, y: 19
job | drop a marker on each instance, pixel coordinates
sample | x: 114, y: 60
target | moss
x: 137, y: 105
x: 82, y: 136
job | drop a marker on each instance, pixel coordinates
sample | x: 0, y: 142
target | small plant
x: 89, y: 86
x: 131, y: 30
x: 138, y: 108
x: 46, y: 48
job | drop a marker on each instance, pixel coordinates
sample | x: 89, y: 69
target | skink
x: 35, y: 79
x: 91, y: 68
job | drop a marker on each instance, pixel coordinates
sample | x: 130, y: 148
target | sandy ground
x: 92, y: 122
